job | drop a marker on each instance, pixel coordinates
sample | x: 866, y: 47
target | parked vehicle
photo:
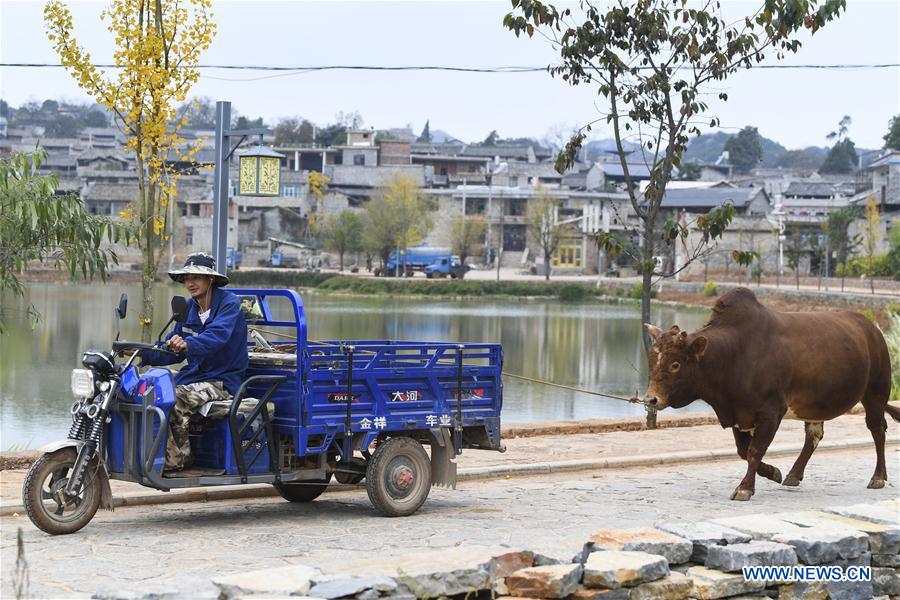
x: 232, y: 259
x: 308, y: 411
x: 417, y: 258
x: 447, y: 267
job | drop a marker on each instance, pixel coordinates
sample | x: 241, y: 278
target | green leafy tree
x: 466, y: 236
x: 793, y: 251
x: 40, y: 225
x: 871, y: 237
x: 893, y: 257
x: 398, y: 216
x: 691, y: 171
x: 545, y: 229
x: 655, y: 62
x: 841, y: 159
x: 837, y: 230
x: 342, y: 233
x: 242, y: 122
x: 425, y: 136
x: 491, y: 139
x: 96, y: 118
x: 745, y: 149
x: 332, y: 135
x: 294, y: 130
x: 892, y: 137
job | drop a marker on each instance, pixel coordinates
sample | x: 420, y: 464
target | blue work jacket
x: 216, y: 350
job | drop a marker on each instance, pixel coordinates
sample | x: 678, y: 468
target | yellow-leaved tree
x: 158, y: 44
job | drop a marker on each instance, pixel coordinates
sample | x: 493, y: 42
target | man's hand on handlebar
x: 177, y: 344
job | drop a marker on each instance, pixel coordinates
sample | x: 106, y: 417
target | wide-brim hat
x: 199, y: 264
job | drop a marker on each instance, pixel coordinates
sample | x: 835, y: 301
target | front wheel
x: 302, y: 491
x: 46, y: 502
x: 398, y: 478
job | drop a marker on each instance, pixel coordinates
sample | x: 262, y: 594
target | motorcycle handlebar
x: 139, y: 346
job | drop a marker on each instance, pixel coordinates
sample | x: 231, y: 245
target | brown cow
x: 756, y: 366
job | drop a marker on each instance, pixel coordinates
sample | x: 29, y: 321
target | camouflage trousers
x: 188, y: 400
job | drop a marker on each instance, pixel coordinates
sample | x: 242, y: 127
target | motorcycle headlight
x: 83, y: 383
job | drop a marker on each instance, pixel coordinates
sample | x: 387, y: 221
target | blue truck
x: 450, y: 267
x: 416, y: 258
x: 308, y: 411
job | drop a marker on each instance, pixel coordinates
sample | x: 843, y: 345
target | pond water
x: 588, y: 345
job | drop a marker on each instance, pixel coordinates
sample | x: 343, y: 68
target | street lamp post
x: 259, y: 175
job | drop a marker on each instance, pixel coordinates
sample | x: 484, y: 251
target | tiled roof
x: 709, y: 197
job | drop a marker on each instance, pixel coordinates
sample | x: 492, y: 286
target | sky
x: 794, y: 107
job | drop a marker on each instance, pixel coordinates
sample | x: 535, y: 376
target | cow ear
x: 654, y: 331
x: 674, y: 329
x: 698, y: 347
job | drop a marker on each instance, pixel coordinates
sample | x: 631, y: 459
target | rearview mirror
x: 179, y: 309
x: 123, y: 306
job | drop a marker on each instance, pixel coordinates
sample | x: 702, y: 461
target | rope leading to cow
x: 632, y: 400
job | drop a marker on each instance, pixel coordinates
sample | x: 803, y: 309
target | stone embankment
x: 676, y: 560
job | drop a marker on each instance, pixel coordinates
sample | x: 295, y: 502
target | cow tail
x: 894, y: 411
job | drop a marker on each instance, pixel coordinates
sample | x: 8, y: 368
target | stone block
x: 676, y: 549
x: 886, y: 560
x: 550, y: 581
x: 702, y: 535
x: 505, y: 565
x: 294, y: 580
x: 878, y: 512
x: 556, y: 551
x: 759, y: 527
x: 883, y: 538
x: 735, y: 557
x: 820, y: 545
x: 433, y: 573
x: 339, y: 588
x: 613, y: 569
x: 885, y: 581
x: 673, y: 587
x: 710, y: 584
x: 595, y: 594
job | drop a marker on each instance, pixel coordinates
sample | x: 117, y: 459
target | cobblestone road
x: 179, y: 547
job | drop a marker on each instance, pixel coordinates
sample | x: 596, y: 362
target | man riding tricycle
x: 280, y: 409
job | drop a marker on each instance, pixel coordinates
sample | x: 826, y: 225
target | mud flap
x: 106, y: 498
x: 443, y: 469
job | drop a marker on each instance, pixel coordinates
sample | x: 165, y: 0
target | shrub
x: 637, y: 291
x: 892, y: 337
x: 710, y: 289
x: 573, y: 293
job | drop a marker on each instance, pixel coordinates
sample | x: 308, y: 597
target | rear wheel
x: 46, y: 502
x: 398, y: 478
x: 301, y: 491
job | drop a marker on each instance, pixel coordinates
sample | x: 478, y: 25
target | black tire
x: 349, y: 478
x: 301, y: 491
x: 398, y: 478
x: 49, y: 513
x: 429, y: 275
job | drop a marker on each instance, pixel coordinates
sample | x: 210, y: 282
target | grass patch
x: 330, y: 282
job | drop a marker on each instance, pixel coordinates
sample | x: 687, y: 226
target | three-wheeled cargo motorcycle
x: 308, y: 411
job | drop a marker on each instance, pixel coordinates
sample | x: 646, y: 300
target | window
x: 475, y: 206
x: 290, y: 191
x: 568, y: 254
x: 514, y: 181
x: 514, y: 238
x: 443, y: 171
x: 516, y: 207
x: 188, y: 236
x: 359, y: 160
x: 194, y: 210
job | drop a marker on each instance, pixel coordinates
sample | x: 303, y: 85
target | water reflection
x: 588, y: 345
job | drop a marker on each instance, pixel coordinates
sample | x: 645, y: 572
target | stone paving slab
x: 703, y: 535
x: 143, y: 549
x: 531, y: 455
x: 883, y: 538
x: 675, y: 549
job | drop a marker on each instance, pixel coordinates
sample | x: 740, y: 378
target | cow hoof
x: 776, y: 475
x: 742, y: 495
x: 791, y: 481
x: 876, y: 484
